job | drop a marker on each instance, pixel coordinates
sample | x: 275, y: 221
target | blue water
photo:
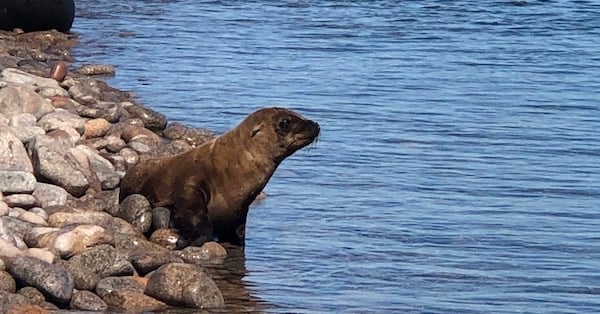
x: 459, y: 165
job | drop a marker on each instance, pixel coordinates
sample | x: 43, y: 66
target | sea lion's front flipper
x: 190, y: 218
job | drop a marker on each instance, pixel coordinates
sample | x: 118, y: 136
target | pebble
x: 87, y: 301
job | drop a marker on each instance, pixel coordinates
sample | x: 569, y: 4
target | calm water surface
x: 459, y: 165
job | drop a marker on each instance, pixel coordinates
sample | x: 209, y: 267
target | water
x: 458, y: 167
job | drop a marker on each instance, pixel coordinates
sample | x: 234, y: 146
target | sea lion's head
x: 282, y: 131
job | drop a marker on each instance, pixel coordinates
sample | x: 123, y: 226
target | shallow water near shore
x: 458, y: 167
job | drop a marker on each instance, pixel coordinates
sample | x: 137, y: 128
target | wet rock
x: 17, y: 181
x: 108, y: 111
x: 152, y: 120
x: 112, y: 284
x: 87, y: 301
x: 208, y: 252
x: 130, y: 301
x: 166, y: 238
x: 13, y: 156
x: 136, y: 210
x: 145, y: 261
x: 96, y: 69
x: 49, y: 194
x: 184, y: 285
x: 161, y: 217
x: 103, y: 260
x: 7, y: 283
x: 52, y: 162
x: 20, y: 200
x: 52, y: 280
x: 16, y: 99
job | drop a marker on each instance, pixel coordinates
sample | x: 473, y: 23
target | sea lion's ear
x: 255, y: 130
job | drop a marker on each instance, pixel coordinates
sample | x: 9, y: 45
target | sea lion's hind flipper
x: 190, y: 218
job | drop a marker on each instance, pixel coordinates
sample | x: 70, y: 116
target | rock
x: 22, y: 120
x: 108, y: 111
x: 16, y: 99
x: 24, y: 78
x: 83, y: 279
x: 62, y: 119
x: 130, y: 155
x: 132, y: 302
x: 33, y: 295
x: 52, y: 162
x: 208, y: 252
x: 26, y: 134
x: 103, y: 260
x: 59, y: 71
x: 14, y: 227
x: 102, y: 168
x: 193, y: 136
x: 166, y: 238
x: 17, y: 181
x: 7, y: 283
x: 136, y: 210
x: 61, y: 219
x: 145, y: 261
x: 96, y: 127
x: 132, y: 131
x: 50, y: 195
x: 3, y: 209
x: 26, y: 309
x: 161, y: 217
x: 33, y: 218
x: 20, y: 200
x: 9, y: 300
x: 40, y: 254
x: 72, y: 239
x: 115, y: 144
x: 112, y: 284
x: 152, y: 120
x: 87, y: 301
x: 52, y: 280
x: 184, y: 285
x: 133, y: 242
x: 13, y: 156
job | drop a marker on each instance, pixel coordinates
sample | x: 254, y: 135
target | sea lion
x: 210, y: 187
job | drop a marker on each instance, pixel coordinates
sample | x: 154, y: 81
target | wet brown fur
x: 210, y: 188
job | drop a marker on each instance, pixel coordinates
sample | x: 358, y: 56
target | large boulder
x: 37, y: 15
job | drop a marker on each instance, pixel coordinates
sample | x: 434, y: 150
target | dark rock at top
x: 37, y: 15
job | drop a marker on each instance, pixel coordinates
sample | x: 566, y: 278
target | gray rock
x: 20, y: 200
x: 52, y: 280
x: 21, y: 77
x: 62, y: 119
x: 13, y: 155
x: 14, y: 226
x: 17, y: 181
x: 152, y: 120
x: 161, y: 217
x: 83, y: 279
x: 146, y: 261
x: 9, y: 301
x: 7, y: 283
x: 111, y: 284
x: 52, y: 162
x: 26, y: 133
x: 184, y: 285
x: 16, y: 99
x: 103, y: 260
x: 49, y: 194
x: 102, y: 168
x: 87, y: 301
x: 136, y: 210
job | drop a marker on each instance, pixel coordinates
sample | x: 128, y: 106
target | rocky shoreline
x: 66, y: 140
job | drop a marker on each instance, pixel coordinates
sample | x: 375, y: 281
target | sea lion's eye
x: 284, y: 124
